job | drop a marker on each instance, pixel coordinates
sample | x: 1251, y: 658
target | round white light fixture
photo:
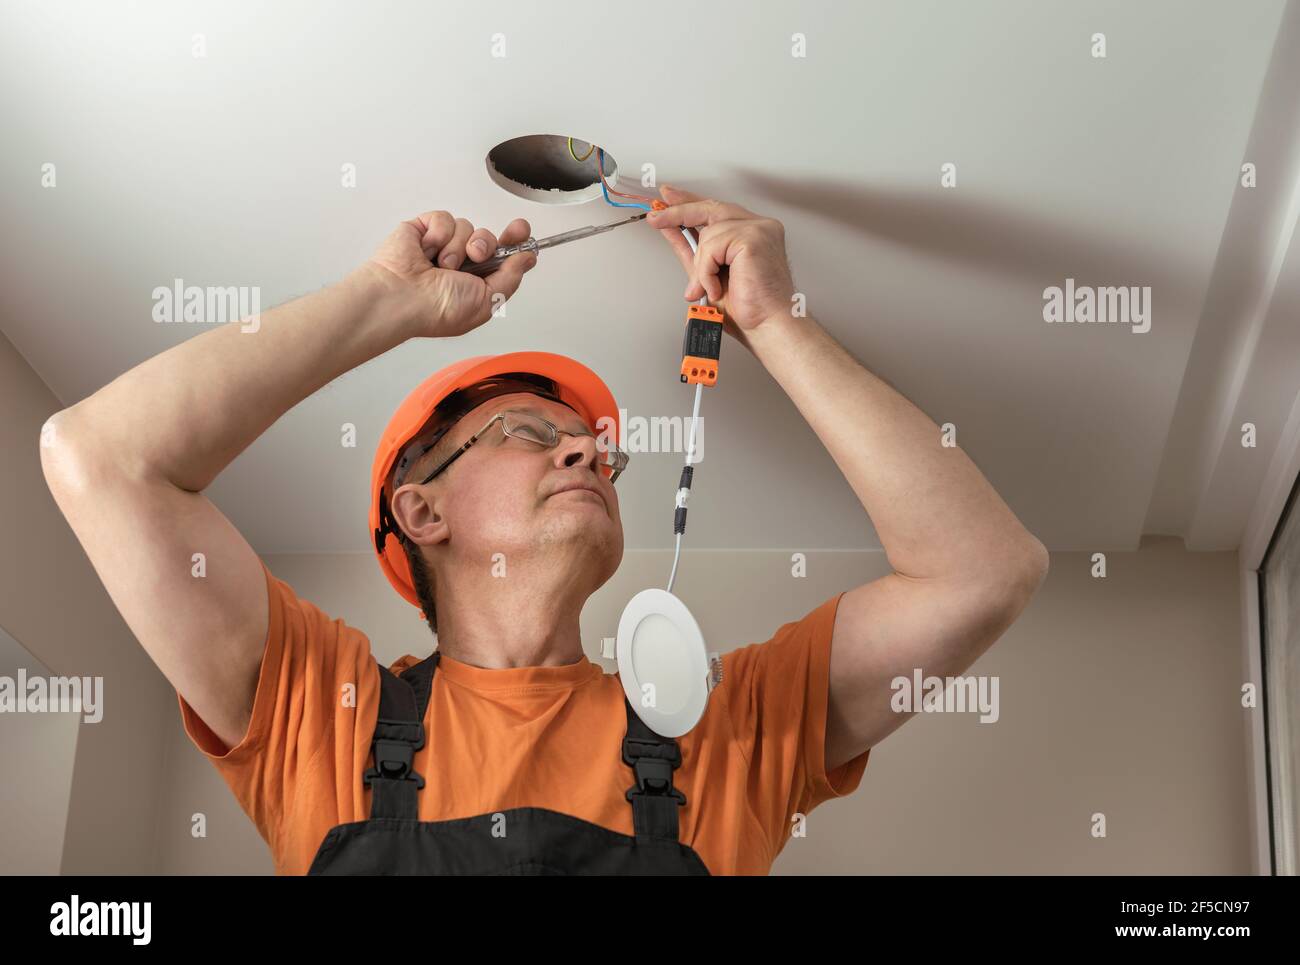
x: 666, y: 670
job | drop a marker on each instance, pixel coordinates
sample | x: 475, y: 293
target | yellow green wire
x: 590, y: 148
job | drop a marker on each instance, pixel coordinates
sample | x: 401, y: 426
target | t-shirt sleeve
x: 308, y: 660
x: 777, y: 694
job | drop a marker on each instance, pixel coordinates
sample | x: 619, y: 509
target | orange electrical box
x: 701, y: 345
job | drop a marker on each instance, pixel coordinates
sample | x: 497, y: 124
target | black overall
x: 519, y: 841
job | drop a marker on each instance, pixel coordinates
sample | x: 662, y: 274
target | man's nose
x: 576, y: 450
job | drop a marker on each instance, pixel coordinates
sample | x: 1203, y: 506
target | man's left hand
x: 756, y: 285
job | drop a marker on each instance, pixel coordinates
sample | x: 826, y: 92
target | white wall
x: 37, y: 757
x: 52, y: 601
x: 1118, y: 696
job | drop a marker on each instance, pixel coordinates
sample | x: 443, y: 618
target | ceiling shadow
x: 974, y: 233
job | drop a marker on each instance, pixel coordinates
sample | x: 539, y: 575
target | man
x: 507, y: 751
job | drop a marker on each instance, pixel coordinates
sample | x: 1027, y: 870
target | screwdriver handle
x: 482, y: 268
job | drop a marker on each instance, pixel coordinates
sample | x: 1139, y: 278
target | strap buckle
x: 394, y: 759
x: 653, y: 767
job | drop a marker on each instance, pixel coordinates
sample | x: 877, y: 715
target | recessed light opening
x: 540, y: 167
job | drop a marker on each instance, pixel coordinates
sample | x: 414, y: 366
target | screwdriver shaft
x: 535, y: 245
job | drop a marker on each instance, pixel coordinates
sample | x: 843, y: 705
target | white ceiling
x: 1122, y: 171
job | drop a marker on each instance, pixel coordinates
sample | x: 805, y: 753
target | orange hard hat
x: 555, y: 376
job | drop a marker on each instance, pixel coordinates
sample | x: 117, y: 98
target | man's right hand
x: 422, y: 256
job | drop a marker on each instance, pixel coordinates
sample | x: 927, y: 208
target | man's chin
x: 584, y: 523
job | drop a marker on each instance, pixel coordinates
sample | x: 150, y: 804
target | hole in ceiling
x: 540, y: 167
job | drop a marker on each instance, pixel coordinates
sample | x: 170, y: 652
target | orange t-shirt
x: 547, y: 737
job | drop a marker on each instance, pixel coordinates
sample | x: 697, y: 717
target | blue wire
x: 600, y: 171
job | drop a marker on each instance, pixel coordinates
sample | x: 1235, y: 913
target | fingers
x: 453, y: 253
x: 481, y: 246
x: 483, y: 243
x: 505, y: 280
x: 686, y: 209
x: 688, y: 257
x: 689, y: 214
x: 442, y: 236
x: 680, y: 248
x: 434, y: 229
x: 451, y: 240
x: 709, y: 260
x: 515, y: 232
x: 716, y: 248
x: 702, y: 265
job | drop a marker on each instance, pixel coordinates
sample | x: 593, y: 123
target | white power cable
x: 684, y: 493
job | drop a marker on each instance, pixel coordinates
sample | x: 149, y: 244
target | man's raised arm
x: 127, y: 465
x: 964, y: 566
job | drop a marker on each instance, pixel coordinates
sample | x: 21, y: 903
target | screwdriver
x: 537, y: 244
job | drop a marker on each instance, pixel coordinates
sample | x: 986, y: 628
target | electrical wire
x: 605, y: 188
x: 638, y: 200
x: 683, y: 492
x: 590, y: 148
x: 600, y: 170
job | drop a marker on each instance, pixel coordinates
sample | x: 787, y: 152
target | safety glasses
x: 534, y: 429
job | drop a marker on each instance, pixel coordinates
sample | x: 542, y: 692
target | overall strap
x: 653, y: 758
x: 399, y: 733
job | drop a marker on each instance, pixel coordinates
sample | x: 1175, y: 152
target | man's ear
x: 416, y: 511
